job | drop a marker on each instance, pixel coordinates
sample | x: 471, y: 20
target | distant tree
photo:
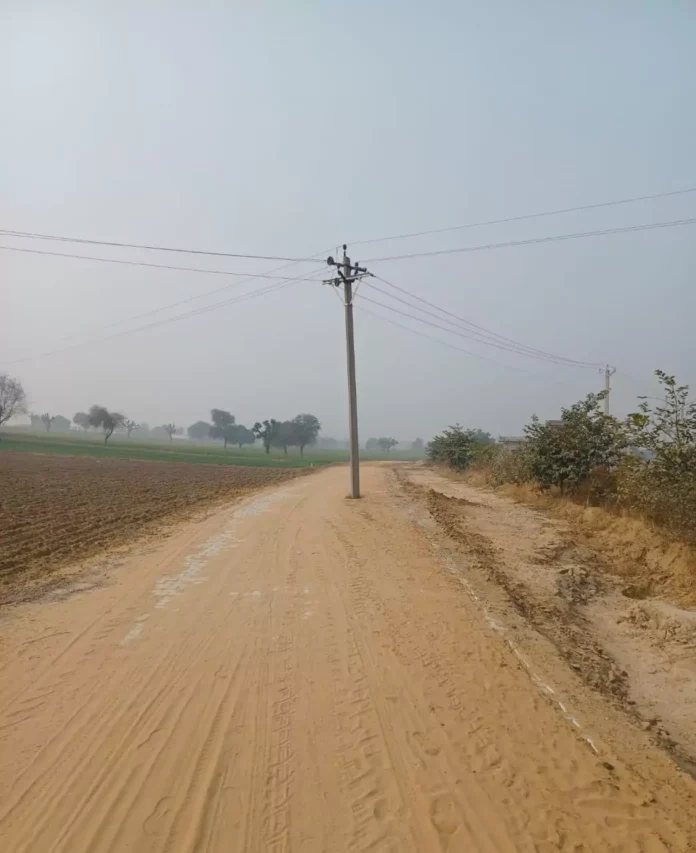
x: 36, y: 421
x: 481, y: 437
x: 372, y: 444
x: 223, y: 422
x: 81, y: 419
x: 199, y: 431
x: 13, y: 399
x: 306, y: 429
x: 243, y: 435
x: 142, y: 430
x: 159, y: 432
x: 266, y: 431
x: 386, y: 444
x: 284, y: 435
x: 170, y: 429
x: 47, y: 420
x: 130, y: 426
x: 60, y: 424
x: 108, y: 421
x: 418, y: 445
x: 327, y: 443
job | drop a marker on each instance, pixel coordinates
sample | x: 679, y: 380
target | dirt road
x: 304, y: 673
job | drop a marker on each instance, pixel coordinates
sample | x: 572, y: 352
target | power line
x: 470, y: 337
x: 245, y: 275
x: 204, y: 309
x: 530, y: 373
x: 445, y: 343
x: 249, y: 277
x: 489, y: 338
x: 481, y: 330
x: 551, y: 239
x: 33, y: 235
x: 287, y: 279
x: 30, y: 235
x: 527, y: 216
x: 152, y: 311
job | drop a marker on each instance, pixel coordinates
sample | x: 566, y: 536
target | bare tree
x: 170, y: 429
x: 129, y: 426
x: 13, y: 399
x: 47, y: 420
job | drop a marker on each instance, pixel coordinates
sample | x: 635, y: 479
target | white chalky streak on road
x: 171, y: 586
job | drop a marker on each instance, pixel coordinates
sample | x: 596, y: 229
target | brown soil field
x: 56, y: 510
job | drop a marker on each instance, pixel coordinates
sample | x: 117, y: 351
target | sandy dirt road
x: 300, y: 672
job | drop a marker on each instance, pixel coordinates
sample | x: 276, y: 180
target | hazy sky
x: 286, y: 128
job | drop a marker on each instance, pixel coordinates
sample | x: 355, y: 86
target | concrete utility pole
x: 347, y: 274
x: 608, y: 373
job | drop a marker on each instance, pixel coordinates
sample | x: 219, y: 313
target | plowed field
x: 55, y: 510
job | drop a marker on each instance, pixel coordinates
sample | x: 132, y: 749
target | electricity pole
x: 608, y: 373
x: 348, y: 274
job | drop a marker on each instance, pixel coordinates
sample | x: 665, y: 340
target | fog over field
x: 282, y: 130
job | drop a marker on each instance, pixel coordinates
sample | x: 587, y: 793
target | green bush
x: 565, y: 454
x: 645, y: 464
x: 662, y: 483
x: 455, y: 447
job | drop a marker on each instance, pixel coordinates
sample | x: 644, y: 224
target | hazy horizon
x: 286, y: 131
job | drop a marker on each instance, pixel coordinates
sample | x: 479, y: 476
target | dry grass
x: 652, y: 561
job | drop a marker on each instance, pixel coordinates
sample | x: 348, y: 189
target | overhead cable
x: 467, y: 336
x: 204, y: 309
x: 31, y: 235
x: 479, y: 331
x: 548, y: 239
x: 524, y: 216
x: 246, y: 275
x: 444, y: 343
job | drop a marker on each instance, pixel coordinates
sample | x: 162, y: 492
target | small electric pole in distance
x: 608, y: 373
x: 348, y: 274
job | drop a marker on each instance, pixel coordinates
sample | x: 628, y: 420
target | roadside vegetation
x: 644, y: 465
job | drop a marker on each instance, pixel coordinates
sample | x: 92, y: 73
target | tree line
x: 301, y: 431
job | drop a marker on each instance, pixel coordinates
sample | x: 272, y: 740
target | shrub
x: 564, y: 454
x: 646, y: 464
x: 455, y: 447
x: 508, y: 466
x: 662, y: 485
